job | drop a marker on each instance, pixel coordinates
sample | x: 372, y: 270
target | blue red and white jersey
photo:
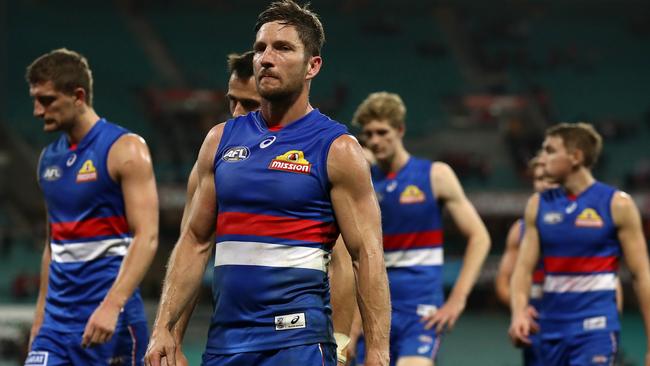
x: 413, y: 238
x: 89, y: 233
x: 274, y: 234
x: 580, y: 249
x: 536, y: 289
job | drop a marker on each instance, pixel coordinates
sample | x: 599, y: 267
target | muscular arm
x: 448, y: 189
x: 523, y: 275
x: 342, y: 288
x: 39, y: 313
x: 129, y: 164
x: 192, y: 253
x: 357, y: 213
x: 507, y: 264
x: 628, y: 222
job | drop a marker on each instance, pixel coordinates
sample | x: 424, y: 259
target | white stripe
x: 536, y: 291
x: 582, y: 283
x: 414, y: 257
x: 270, y: 255
x: 87, y: 251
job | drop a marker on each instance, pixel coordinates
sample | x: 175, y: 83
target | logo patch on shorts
x: 426, y: 310
x: 235, y: 154
x: 599, y: 322
x: 424, y: 349
x: 36, y: 358
x: 87, y: 173
x: 292, y: 161
x: 599, y: 359
x: 589, y: 218
x: 411, y: 194
x: 290, y: 321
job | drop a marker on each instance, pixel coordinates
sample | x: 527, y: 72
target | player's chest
x: 574, y: 224
x: 72, y: 176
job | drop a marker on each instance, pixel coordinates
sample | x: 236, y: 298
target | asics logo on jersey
x: 589, y: 218
x: 267, y: 142
x: 292, y: 161
x: 71, y: 160
x: 52, y: 173
x: 87, y: 173
x: 290, y: 321
x: 295, y: 319
x: 235, y: 154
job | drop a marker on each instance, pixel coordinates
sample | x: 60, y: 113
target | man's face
x: 279, y: 62
x: 382, y: 139
x: 556, y: 159
x: 242, y: 95
x: 540, y: 181
x: 57, y: 110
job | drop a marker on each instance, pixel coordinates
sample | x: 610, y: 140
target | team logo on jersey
x: 36, y: 358
x: 87, y: 173
x: 411, y: 194
x: 267, y: 142
x: 292, y: 161
x: 589, y: 218
x: 234, y: 154
x: 52, y: 173
x: 553, y: 218
x: 290, y: 321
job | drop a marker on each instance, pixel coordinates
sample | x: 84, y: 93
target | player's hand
x: 533, y: 316
x: 376, y: 358
x: 444, y: 318
x: 520, y: 329
x: 351, y: 352
x: 162, y: 348
x: 101, y: 325
x: 181, y: 360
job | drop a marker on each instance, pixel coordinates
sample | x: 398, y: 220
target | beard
x: 282, y: 92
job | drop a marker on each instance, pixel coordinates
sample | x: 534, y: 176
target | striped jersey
x: 89, y: 233
x: 536, y: 289
x: 274, y: 234
x: 412, y: 235
x: 580, y: 250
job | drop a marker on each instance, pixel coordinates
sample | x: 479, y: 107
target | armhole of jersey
x: 610, y: 201
x: 325, y: 181
x: 430, y: 180
x: 38, y: 168
x: 108, y: 151
x: 226, y: 131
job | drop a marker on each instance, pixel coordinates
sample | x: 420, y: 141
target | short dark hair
x: 241, y: 65
x: 582, y: 136
x: 67, y: 69
x: 309, y: 28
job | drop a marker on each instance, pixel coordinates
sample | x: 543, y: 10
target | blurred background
x: 481, y: 81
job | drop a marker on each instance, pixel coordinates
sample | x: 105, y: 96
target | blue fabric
x: 307, y: 355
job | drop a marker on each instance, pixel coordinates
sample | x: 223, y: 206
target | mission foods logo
x: 411, y: 194
x: 87, y: 173
x: 589, y: 218
x: 292, y: 161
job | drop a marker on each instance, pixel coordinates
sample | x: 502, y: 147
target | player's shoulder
x: 622, y: 201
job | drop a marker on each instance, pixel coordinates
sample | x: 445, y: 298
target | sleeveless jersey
x: 413, y: 238
x: 89, y: 233
x: 274, y: 234
x: 580, y: 250
x: 536, y: 289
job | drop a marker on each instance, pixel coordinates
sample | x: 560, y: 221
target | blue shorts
x: 592, y: 348
x: 318, y: 354
x: 533, y: 354
x: 54, y: 348
x: 408, y: 338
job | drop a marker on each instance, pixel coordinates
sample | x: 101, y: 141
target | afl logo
x: 52, y: 173
x: 267, y: 142
x: 235, y: 154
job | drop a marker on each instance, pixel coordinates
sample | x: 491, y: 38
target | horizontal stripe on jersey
x: 93, y: 227
x: 414, y: 257
x: 413, y: 240
x: 87, y: 251
x: 580, y: 264
x: 233, y: 223
x: 270, y: 255
x: 582, y: 283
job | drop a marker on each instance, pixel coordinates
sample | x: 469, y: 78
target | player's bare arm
x: 342, y: 297
x: 192, y: 253
x: 522, y: 277
x: 507, y: 264
x: 44, y: 276
x: 628, y: 222
x: 129, y: 164
x: 447, y: 188
x: 357, y: 213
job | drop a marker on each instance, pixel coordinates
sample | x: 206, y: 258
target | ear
x: 401, y: 131
x: 80, y: 94
x: 313, y: 67
x: 577, y: 157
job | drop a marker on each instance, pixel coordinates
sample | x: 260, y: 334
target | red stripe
x: 238, y: 223
x: 580, y: 264
x: 538, y: 276
x: 99, y: 226
x: 413, y: 240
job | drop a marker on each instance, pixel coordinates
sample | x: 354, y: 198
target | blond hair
x: 381, y: 106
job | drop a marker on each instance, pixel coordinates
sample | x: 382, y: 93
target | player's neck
x: 395, y: 164
x: 282, y: 113
x: 578, y: 181
x: 82, y: 126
